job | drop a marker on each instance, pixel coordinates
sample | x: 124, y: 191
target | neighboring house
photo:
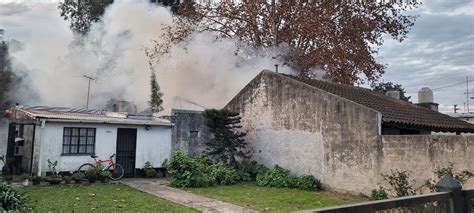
x: 344, y: 135
x: 468, y: 117
x: 70, y: 136
x: 189, y: 133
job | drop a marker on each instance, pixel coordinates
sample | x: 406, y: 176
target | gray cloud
x: 438, y: 52
x: 10, y: 9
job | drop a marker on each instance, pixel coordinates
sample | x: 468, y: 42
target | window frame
x: 78, y: 145
x: 193, y: 131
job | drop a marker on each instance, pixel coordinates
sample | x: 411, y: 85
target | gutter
x: 105, y: 122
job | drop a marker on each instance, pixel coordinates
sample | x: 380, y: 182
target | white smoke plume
x: 206, y: 71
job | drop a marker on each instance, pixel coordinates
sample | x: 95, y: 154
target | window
x: 78, y: 140
x: 193, y: 135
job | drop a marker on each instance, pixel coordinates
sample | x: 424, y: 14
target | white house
x: 71, y: 136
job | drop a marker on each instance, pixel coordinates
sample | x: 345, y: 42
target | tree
x: 340, y: 37
x: 155, y: 97
x: 228, y: 142
x: 82, y: 13
x: 389, y: 86
x: 6, y: 76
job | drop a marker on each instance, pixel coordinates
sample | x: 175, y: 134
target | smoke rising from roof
x: 53, y: 60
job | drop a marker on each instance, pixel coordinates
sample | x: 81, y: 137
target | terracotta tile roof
x: 394, y: 112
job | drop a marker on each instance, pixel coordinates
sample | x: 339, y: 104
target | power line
x: 451, y: 85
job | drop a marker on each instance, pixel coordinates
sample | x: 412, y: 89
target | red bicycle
x: 107, y: 165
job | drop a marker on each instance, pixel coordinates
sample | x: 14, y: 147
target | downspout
x: 32, y: 149
x: 41, y: 142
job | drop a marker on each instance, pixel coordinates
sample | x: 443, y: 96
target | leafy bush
x: 308, y: 182
x: 248, y: 170
x: 105, y: 174
x: 275, y: 177
x: 188, y: 172
x: 78, y: 177
x: 149, y: 170
x: 400, y: 182
x: 223, y: 175
x: 10, y: 198
x: 379, y: 194
x: 93, y: 172
x: 280, y: 177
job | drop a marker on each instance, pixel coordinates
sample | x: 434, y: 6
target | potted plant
x: 54, y: 178
x: 78, y: 177
x: 37, y: 180
x: 105, y: 176
x: 148, y: 169
x: 92, y: 174
x: 67, y: 179
x: 25, y: 178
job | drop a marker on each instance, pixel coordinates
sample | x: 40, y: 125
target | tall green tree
x: 5, y: 76
x: 82, y: 13
x: 155, y: 98
x: 384, y: 87
x: 228, y: 142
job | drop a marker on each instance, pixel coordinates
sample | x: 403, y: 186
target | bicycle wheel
x: 117, y: 173
x: 84, y: 167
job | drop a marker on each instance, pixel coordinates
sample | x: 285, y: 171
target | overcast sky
x: 439, y: 50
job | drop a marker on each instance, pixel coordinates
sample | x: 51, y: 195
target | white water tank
x: 425, y: 95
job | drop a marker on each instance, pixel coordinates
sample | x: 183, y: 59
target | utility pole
x: 467, y: 93
x: 88, y: 88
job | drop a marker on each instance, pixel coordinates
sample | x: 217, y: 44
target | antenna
x: 88, y: 88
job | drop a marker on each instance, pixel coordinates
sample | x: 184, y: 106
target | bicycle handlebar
x: 113, y: 155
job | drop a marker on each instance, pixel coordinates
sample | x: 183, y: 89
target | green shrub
x: 275, y: 177
x: 10, y: 198
x: 149, y: 170
x: 308, y: 182
x: 189, y: 172
x: 223, y: 175
x: 379, y: 194
x: 248, y: 170
x: 78, y: 177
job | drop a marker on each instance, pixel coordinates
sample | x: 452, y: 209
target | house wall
x: 186, y: 121
x: 153, y: 145
x: 3, y: 138
x: 309, y: 131
x: 423, y: 154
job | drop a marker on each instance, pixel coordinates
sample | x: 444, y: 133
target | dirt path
x: 159, y: 188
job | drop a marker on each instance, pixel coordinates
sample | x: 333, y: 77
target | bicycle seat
x: 94, y: 156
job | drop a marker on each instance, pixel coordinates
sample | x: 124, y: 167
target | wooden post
x: 457, y: 202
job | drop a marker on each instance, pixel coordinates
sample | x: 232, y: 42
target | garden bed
x: 97, y: 197
x: 248, y: 194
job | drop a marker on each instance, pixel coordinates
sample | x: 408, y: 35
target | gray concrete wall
x: 186, y: 121
x: 422, y: 154
x: 309, y: 131
x: 3, y: 138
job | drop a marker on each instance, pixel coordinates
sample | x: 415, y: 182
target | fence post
x: 449, y: 184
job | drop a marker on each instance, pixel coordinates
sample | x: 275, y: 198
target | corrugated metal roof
x: 64, y: 114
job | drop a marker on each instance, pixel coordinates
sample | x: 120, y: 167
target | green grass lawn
x: 274, y: 199
x: 97, y: 197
